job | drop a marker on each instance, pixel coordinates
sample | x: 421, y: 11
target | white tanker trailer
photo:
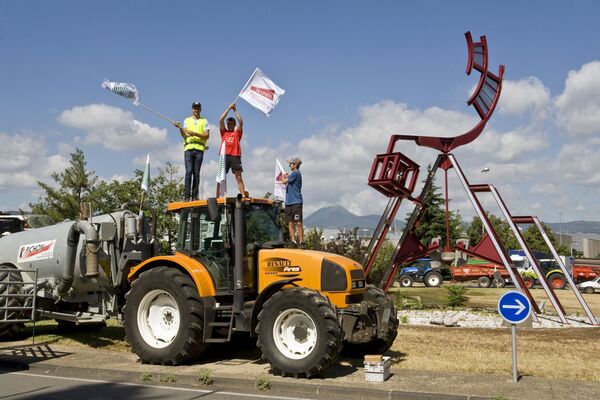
x: 81, y: 268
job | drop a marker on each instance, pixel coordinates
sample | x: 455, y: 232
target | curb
x: 223, y: 383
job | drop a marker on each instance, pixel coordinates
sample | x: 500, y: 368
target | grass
x: 548, y: 353
x: 205, y: 377
x: 110, y: 337
x: 262, y: 383
x: 488, y: 298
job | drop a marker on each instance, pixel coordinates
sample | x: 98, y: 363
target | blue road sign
x: 514, y: 307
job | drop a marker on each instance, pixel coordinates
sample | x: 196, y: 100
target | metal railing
x: 17, y: 295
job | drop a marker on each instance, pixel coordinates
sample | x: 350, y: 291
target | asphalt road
x: 23, y: 385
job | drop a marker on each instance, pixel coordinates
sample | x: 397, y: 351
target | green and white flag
x: 123, y: 89
x: 221, y: 175
x: 146, y: 177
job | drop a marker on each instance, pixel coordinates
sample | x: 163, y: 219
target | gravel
x: 481, y: 319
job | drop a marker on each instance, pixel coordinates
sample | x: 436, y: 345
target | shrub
x: 456, y: 295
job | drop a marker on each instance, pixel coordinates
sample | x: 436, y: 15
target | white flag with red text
x: 261, y: 92
x: 279, y: 190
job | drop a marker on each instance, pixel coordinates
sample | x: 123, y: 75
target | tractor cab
x: 207, y: 234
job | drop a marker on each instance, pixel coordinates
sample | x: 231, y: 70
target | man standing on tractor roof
x: 195, y: 133
x: 232, y: 135
x: 293, y: 201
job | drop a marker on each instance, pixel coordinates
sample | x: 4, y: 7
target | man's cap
x: 296, y: 161
x: 196, y: 104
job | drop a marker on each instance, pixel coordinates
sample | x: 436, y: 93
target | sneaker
x: 185, y: 198
x: 302, y: 245
x: 292, y: 245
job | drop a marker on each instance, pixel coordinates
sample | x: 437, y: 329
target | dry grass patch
x: 548, y: 353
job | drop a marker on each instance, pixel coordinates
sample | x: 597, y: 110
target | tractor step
x: 224, y: 324
x: 216, y: 340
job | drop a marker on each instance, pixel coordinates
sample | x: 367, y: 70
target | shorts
x: 293, y: 212
x: 234, y: 163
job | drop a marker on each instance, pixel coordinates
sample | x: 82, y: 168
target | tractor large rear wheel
x: 557, y: 280
x: 10, y: 330
x: 298, y: 332
x: 163, y: 317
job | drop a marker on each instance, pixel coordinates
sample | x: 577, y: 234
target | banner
x: 260, y: 92
x: 127, y: 90
x: 279, y: 190
x: 221, y: 175
x: 146, y: 177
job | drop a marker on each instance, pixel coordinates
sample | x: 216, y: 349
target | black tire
x: 10, y: 330
x: 589, y: 290
x: 557, y: 280
x: 432, y: 279
x: 406, y: 281
x: 499, y: 282
x: 484, y: 282
x: 316, y: 340
x: 376, y: 299
x: 166, y: 288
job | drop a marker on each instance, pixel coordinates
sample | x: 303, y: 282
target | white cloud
x: 113, y: 128
x: 579, y: 104
x: 26, y: 161
x: 509, y: 146
x: 522, y: 96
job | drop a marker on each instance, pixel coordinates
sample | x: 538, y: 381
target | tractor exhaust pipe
x: 238, y: 269
x: 91, y: 255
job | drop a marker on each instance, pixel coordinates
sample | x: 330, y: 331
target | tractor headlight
x: 358, y: 284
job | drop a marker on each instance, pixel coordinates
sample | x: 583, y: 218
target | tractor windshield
x: 262, y: 224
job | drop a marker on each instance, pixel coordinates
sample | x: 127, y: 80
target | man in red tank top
x: 232, y: 135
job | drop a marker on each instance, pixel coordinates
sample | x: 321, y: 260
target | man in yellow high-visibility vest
x: 195, y: 133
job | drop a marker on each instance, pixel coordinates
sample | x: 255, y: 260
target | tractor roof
x: 179, y: 205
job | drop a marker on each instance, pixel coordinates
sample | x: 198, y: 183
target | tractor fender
x: 187, y: 265
x: 264, y: 296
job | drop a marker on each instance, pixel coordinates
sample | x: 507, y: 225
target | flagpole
x: 156, y: 112
x: 243, y: 88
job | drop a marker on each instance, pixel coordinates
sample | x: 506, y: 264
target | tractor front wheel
x: 406, y: 281
x: 298, y: 332
x: 163, y: 317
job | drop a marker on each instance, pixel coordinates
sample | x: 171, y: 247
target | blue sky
x: 354, y: 73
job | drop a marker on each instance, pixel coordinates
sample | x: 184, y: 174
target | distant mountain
x: 591, y: 227
x: 335, y: 217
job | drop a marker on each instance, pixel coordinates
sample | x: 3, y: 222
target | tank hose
x: 67, y: 278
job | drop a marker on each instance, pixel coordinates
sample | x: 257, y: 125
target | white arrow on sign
x: 519, y: 307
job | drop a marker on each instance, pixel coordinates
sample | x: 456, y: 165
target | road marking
x: 262, y: 396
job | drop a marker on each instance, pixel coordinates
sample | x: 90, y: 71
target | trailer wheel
x: 589, y: 290
x: 10, y: 330
x: 484, y: 282
x: 406, y: 281
x: 499, y: 282
x: 557, y: 281
x: 432, y: 279
x: 528, y: 281
x: 298, y: 332
x: 163, y: 317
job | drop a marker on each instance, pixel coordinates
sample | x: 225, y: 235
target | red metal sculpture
x: 395, y: 175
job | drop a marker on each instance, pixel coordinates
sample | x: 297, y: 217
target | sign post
x: 515, y: 308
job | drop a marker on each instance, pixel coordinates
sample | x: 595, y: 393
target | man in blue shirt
x: 293, y: 201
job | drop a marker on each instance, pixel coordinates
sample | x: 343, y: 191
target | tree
x: 433, y: 222
x: 501, y: 227
x: 314, y: 239
x: 75, y: 184
x: 384, y: 256
x: 535, y: 241
x: 347, y: 244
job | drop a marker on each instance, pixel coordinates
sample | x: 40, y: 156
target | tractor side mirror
x: 213, y: 209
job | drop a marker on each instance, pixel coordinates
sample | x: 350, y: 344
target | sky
x: 355, y: 72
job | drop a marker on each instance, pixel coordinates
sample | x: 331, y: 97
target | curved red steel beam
x: 484, y: 99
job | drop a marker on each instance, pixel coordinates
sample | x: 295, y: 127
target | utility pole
x: 560, y: 226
